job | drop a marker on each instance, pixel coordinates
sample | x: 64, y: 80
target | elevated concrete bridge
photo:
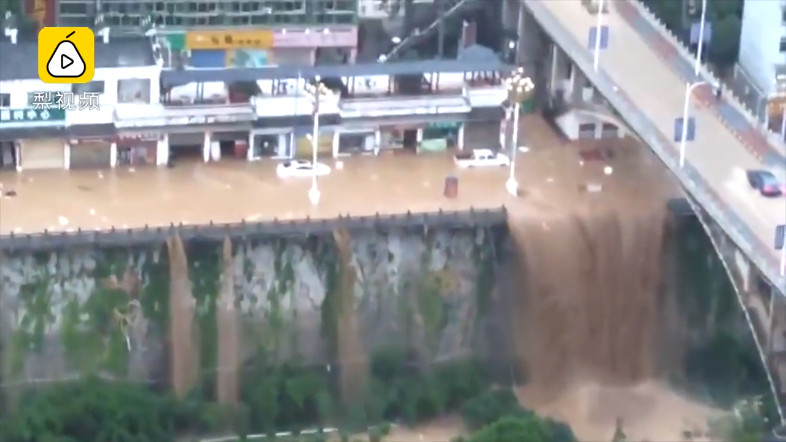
x: 642, y: 76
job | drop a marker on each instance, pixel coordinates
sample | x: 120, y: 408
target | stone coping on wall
x: 274, y: 228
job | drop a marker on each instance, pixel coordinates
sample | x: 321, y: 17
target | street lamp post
x: 520, y: 88
x: 316, y: 91
x: 596, y: 55
x: 697, y: 63
x: 686, y: 104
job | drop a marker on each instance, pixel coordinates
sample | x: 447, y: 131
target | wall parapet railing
x: 279, y: 228
x: 706, y: 74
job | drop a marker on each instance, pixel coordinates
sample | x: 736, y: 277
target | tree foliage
x: 514, y: 429
x: 746, y: 423
x: 725, y: 18
x: 498, y: 417
x: 489, y: 407
x: 98, y: 411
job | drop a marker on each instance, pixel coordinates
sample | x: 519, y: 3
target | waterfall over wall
x: 351, y: 354
x: 183, y: 355
x: 227, y: 387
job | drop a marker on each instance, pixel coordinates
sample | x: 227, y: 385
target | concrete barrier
x: 276, y: 228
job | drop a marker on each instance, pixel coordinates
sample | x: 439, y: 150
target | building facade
x: 225, y: 33
x: 139, y: 114
x: 761, y: 64
x: 50, y: 126
x: 219, y: 14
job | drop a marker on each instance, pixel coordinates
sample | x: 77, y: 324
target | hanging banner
x: 242, y: 39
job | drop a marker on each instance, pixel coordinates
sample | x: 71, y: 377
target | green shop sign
x: 31, y: 116
x: 444, y: 125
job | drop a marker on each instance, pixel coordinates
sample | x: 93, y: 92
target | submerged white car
x: 301, y: 168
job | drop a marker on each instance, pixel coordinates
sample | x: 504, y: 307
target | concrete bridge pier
x: 578, y: 107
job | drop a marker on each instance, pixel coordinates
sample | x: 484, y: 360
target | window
x: 91, y: 87
x: 5, y: 100
x: 783, y: 44
x: 133, y: 91
x: 73, y: 8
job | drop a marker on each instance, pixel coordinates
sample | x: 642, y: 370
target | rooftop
x: 20, y: 61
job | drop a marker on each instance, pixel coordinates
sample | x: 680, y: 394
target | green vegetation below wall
x: 721, y: 362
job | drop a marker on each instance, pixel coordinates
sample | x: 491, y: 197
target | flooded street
x: 195, y: 193
x: 574, y: 196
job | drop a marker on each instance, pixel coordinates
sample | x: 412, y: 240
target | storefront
x: 354, y: 141
x: 33, y: 138
x: 304, y: 148
x: 270, y: 144
x: 9, y: 155
x: 90, y: 154
x: 137, y: 149
x: 442, y: 135
x: 91, y: 146
x: 188, y: 145
x: 42, y: 153
x: 193, y: 132
x: 209, y: 144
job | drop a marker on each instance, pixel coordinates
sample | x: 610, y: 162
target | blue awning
x: 171, y: 78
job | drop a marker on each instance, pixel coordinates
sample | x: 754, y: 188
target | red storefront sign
x: 142, y: 137
x: 316, y: 38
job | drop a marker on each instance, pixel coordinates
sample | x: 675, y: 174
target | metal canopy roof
x: 178, y: 77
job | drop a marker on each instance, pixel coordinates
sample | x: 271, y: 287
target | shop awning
x: 292, y: 121
x: 20, y: 133
x: 183, y: 76
x: 82, y: 131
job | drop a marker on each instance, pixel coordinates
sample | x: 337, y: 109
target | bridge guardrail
x: 664, y: 148
x: 706, y: 74
x: 212, y: 231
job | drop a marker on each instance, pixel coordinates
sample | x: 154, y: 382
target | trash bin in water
x: 451, y: 186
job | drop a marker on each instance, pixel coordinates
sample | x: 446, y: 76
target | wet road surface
x: 195, y: 193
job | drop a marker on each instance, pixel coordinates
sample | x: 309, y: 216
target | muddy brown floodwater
x: 586, y: 319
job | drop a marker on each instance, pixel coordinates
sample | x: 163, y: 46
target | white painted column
x: 419, y: 139
x: 206, y: 147
x: 353, y: 53
x: 460, y: 140
x: 162, y: 150
x: 377, y: 141
x: 113, y: 155
x: 336, y: 141
x: 250, y: 150
x: 291, y: 145
x: 215, y: 150
x: 67, y: 156
x: 18, y: 156
x: 283, y: 149
x: 554, y: 64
